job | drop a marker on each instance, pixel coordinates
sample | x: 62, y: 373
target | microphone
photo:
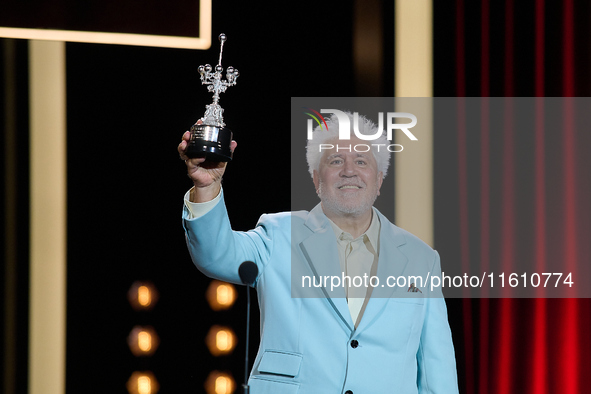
x: 248, y: 272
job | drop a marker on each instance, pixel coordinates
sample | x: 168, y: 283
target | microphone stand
x: 245, y: 386
x: 248, y: 272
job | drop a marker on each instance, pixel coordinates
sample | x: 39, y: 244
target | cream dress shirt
x: 359, y: 262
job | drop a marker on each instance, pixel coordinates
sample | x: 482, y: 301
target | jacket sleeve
x: 217, y: 251
x: 436, y: 357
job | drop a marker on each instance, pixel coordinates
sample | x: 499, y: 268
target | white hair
x: 366, y: 127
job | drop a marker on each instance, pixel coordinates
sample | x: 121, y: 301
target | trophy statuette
x: 211, y: 139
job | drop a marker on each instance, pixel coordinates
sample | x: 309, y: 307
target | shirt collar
x: 372, y: 233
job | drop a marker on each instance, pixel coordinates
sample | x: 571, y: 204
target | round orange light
x: 142, y: 295
x: 220, y: 340
x: 142, y: 383
x: 219, y: 383
x: 220, y: 295
x: 143, y: 341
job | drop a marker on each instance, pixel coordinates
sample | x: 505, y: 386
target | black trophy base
x: 211, y: 142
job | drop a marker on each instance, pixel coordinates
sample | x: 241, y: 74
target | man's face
x: 347, y: 183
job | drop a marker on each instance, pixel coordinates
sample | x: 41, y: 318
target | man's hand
x: 206, y: 175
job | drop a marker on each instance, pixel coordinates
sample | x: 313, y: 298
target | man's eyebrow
x: 340, y: 155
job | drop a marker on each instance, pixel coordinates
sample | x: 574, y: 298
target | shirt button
x: 348, y: 392
x: 354, y: 344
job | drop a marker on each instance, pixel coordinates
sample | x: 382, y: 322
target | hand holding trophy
x: 211, y: 138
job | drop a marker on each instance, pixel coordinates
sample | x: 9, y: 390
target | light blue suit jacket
x: 403, y: 341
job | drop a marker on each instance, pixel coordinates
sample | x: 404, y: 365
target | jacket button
x: 354, y: 344
x: 348, y: 392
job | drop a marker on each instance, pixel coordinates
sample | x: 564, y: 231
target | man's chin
x: 349, y: 209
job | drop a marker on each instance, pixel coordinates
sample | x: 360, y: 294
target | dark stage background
x: 127, y: 108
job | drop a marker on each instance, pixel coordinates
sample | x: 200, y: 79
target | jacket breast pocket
x: 280, y: 363
x: 276, y: 373
x: 408, y: 297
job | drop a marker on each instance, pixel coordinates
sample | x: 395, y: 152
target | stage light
x: 220, y: 295
x: 142, y: 295
x: 219, y: 383
x: 143, y: 341
x: 142, y: 383
x: 220, y: 340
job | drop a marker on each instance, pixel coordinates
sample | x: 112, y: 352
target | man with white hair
x: 316, y: 337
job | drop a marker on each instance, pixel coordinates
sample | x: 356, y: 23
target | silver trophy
x: 211, y: 139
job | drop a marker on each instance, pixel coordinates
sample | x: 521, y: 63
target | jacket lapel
x: 321, y: 254
x: 391, y: 262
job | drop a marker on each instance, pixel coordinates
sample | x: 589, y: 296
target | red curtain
x: 534, y: 345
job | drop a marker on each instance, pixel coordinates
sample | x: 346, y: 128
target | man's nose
x: 348, y: 169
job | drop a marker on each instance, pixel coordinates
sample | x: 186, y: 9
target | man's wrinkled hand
x: 205, y: 174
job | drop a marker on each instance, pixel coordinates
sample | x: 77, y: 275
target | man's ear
x: 316, y: 181
x: 380, y: 181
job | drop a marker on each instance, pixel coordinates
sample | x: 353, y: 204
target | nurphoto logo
x: 345, y: 129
